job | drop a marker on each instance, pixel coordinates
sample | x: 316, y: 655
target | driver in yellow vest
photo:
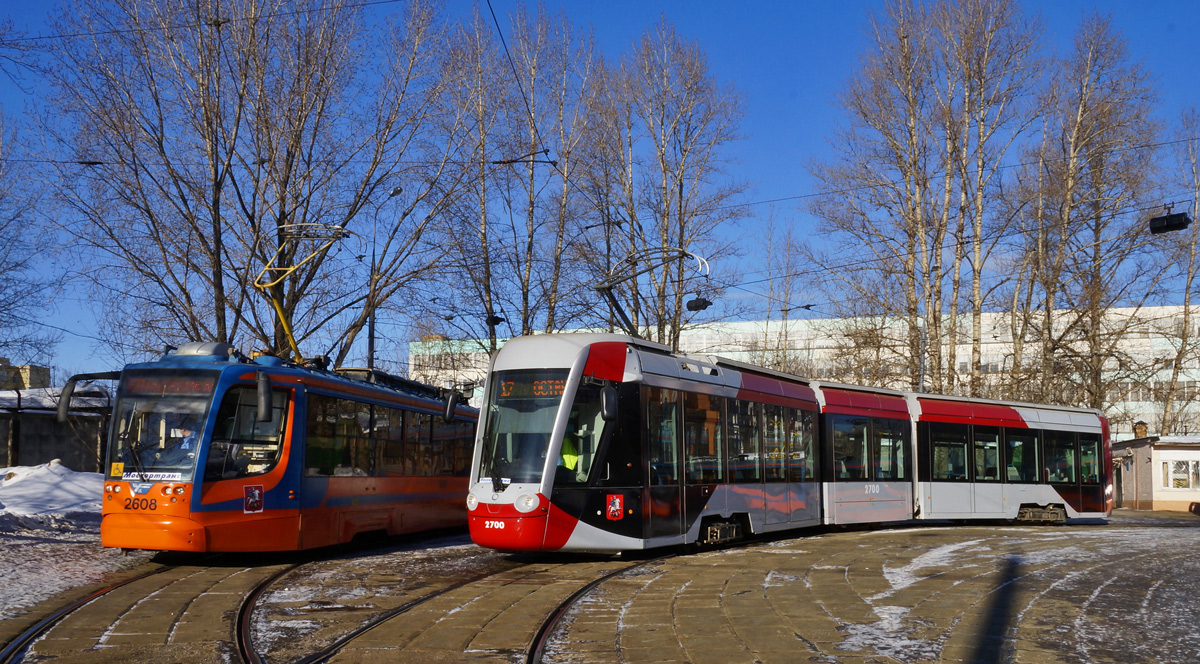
x: 569, y: 454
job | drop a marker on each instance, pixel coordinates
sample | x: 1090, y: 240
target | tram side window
x: 389, y: 429
x: 948, y: 445
x: 744, y: 441
x: 322, y: 447
x: 704, y: 453
x: 1060, y: 457
x: 889, y: 446
x: 418, y: 455
x: 464, y: 444
x: 850, y: 454
x: 661, y: 407
x: 353, y: 430
x: 622, y: 454
x: 242, y: 446
x: 987, y: 453
x: 444, y: 441
x: 775, y: 443
x: 1089, y: 458
x: 1021, y: 455
x: 801, y: 462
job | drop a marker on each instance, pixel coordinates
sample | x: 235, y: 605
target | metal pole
x: 371, y: 298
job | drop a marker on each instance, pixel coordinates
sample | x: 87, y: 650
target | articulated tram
x: 212, y: 451
x: 602, y: 442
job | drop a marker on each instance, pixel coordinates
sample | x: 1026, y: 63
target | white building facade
x: 1136, y: 377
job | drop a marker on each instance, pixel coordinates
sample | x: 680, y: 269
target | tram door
x: 664, y: 502
x: 704, y: 458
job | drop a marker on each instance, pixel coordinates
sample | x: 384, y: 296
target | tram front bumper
x: 152, y: 532
x: 509, y: 533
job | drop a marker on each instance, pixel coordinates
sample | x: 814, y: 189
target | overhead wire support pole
x: 649, y: 259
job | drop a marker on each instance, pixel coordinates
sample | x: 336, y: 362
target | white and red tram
x: 602, y: 442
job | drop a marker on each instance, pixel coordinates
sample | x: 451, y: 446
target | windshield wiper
x: 499, y: 484
x: 135, y: 455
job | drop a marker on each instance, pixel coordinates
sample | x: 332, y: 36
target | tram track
x: 511, y: 605
x: 484, y: 616
x: 15, y: 649
x: 538, y: 648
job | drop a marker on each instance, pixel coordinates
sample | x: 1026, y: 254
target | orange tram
x: 211, y: 451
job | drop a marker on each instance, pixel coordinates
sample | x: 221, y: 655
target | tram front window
x: 520, y: 413
x: 158, y: 420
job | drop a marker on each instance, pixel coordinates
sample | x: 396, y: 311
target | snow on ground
x: 50, y: 535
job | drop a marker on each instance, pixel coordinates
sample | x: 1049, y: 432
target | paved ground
x: 1125, y: 591
x: 1122, y: 591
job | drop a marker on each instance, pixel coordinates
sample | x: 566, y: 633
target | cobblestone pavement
x: 1124, y: 591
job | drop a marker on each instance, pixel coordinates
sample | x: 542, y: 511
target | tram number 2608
x: 141, y: 504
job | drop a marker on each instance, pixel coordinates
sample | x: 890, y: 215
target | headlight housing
x: 472, y: 502
x: 526, y: 502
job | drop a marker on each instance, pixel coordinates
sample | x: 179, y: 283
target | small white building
x: 1158, y: 473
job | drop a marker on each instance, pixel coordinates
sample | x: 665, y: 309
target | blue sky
x: 788, y: 60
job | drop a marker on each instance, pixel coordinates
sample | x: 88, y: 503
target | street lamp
x: 1169, y: 222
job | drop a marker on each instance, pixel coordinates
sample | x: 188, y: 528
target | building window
x: 1181, y: 474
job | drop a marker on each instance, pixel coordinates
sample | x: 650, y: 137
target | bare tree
x: 689, y: 121
x: 474, y: 309
x: 1091, y: 172
x: 548, y: 113
x: 24, y: 290
x: 215, y: 135
x: 990, y: 44
x: 1182, y: 250
x: 17, y: 51
x: 885, y: 206
x: 931, y: 116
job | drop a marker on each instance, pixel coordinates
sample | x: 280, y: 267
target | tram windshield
x: 522, y: 405
x: 158, y: 419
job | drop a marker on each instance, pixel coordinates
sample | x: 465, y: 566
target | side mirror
x: 451, y: 406
x: 608, y: 403
x: 64, y: 399
x: 263, y: 383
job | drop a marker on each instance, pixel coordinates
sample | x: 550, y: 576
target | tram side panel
x: 867, y: 452
x: 375, y: 467
x: 987, y: 460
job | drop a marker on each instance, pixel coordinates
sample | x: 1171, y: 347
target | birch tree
x: 1084, y: 245
x: 689, y: 121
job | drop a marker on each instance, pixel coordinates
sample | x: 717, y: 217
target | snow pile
x: 50, y: 535
x: 48, y: 492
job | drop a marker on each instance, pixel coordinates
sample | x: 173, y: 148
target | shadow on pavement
x: 990, y: 649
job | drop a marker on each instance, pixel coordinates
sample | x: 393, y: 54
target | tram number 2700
x: 141, y: 504
x: 498, y: 525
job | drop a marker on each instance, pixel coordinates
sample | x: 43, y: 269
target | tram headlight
x: 179, y: 490
x: 526, y: 502
x: 472, y: 502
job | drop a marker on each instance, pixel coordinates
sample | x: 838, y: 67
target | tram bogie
x: 596, y: 442
x: 212, y: 451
